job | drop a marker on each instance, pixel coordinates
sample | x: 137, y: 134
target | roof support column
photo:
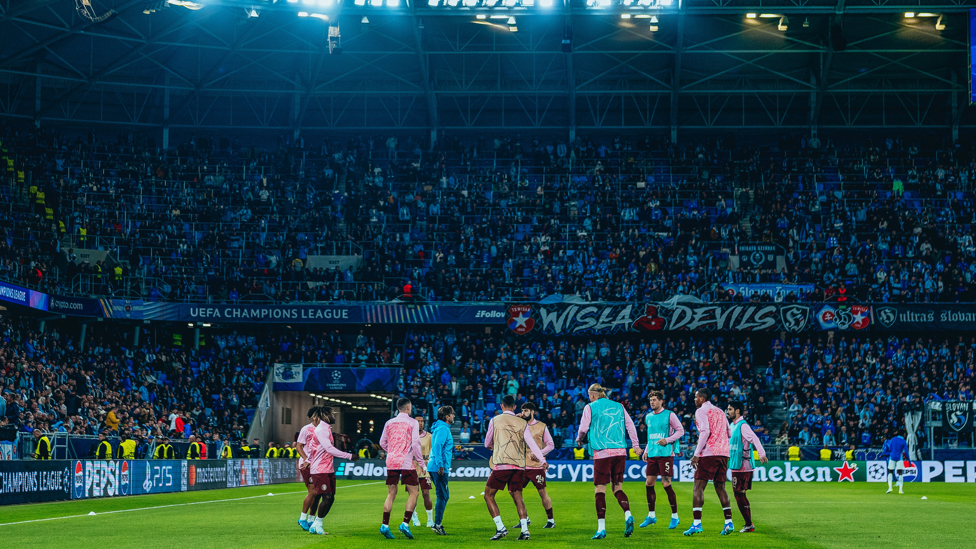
x: 429, y: 91
x: 676, y: 77
x: 570, y: 69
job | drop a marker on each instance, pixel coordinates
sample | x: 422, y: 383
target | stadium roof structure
x: 488, y: 65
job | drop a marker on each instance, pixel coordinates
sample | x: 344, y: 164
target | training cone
x: 91, y: 514
x: 270, y: 494
x: 470, y: 497
x: 923, y: 497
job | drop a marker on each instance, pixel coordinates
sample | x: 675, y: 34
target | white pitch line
x: 172, y: 505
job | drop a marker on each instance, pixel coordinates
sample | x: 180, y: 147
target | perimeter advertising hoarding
x: 29, y: 481
x: 774, y: 471
x: 34, y: 481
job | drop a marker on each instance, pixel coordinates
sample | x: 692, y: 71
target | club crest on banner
x: 886, y: 316
x: 794, y: 317
x: 520, y: 319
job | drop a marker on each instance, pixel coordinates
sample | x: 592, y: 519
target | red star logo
x: 846, y: 472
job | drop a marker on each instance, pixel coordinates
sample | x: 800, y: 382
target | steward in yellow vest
x: 43, y: 449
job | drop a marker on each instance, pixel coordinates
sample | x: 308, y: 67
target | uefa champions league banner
x: 325, y: 379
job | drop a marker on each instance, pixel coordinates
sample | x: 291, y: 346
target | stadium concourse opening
x: 334, y: 260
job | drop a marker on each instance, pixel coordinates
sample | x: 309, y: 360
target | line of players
x: 519, y: 444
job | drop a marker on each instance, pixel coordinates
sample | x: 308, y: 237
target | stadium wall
x: 774, y: 471
x: 55, y: 480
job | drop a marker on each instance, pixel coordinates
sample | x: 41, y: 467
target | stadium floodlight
x: 603, y: 3
x: 768, y: 16
x: 653, y: 28
x: 303, y: 14
x: 375, y: 2
x: 480, y: 17
x: 750, y: 16
x: 645, y: 3
x: 927, y: 14
x: 784, y: 23
x: 186, y: 4
x: 360, y: 2
x: 393, y: 3
x: 510, y: 3
x: 321, y: 16
x: 664, y: 3
x: 546, y: 3
x: 625, y: 16
x: 470, y: 3
x: 452, y: 3
x: 939, y: 25
x: 909, y: 15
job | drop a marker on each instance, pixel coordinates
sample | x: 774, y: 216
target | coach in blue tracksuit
x: 439, y: 464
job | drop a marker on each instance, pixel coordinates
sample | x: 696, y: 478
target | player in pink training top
x: 401, y: 442
x: 304, y: 451
x: 711, y: 460
x: 741, y: 443
x: 322, y: 470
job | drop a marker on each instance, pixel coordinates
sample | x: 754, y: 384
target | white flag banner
x: 287, y: 373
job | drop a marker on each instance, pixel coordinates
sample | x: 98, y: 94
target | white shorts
x: 896, y: 465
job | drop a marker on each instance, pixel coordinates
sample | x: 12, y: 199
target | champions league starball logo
x: 687, y: 471
x: 877, y: 471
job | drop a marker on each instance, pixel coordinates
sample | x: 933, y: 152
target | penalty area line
x: 173, y: 505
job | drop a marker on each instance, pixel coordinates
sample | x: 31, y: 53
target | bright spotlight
x: 303, y: 14
x: 939, y: 25
x: 546, y: 3
x: 909, y: 15
x: 393, y: 3
x: 625, y: 16
x: 750, y: 16
x: 784, y: 23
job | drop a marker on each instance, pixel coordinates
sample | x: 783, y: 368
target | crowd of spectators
x: 481, y: 219
x: 845, y: 391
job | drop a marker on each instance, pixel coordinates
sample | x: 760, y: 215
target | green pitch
x: 786, y: 515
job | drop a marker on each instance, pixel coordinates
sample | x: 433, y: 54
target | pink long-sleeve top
x: 325, y: 450
x: 401, y: 442
x: 713, y: 431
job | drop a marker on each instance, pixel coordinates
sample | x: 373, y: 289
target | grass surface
x: 789, y: 515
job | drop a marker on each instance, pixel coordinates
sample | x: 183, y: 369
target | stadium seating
x: 485, y: 220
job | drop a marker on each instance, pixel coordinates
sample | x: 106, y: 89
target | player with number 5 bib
x: 663, y: 432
